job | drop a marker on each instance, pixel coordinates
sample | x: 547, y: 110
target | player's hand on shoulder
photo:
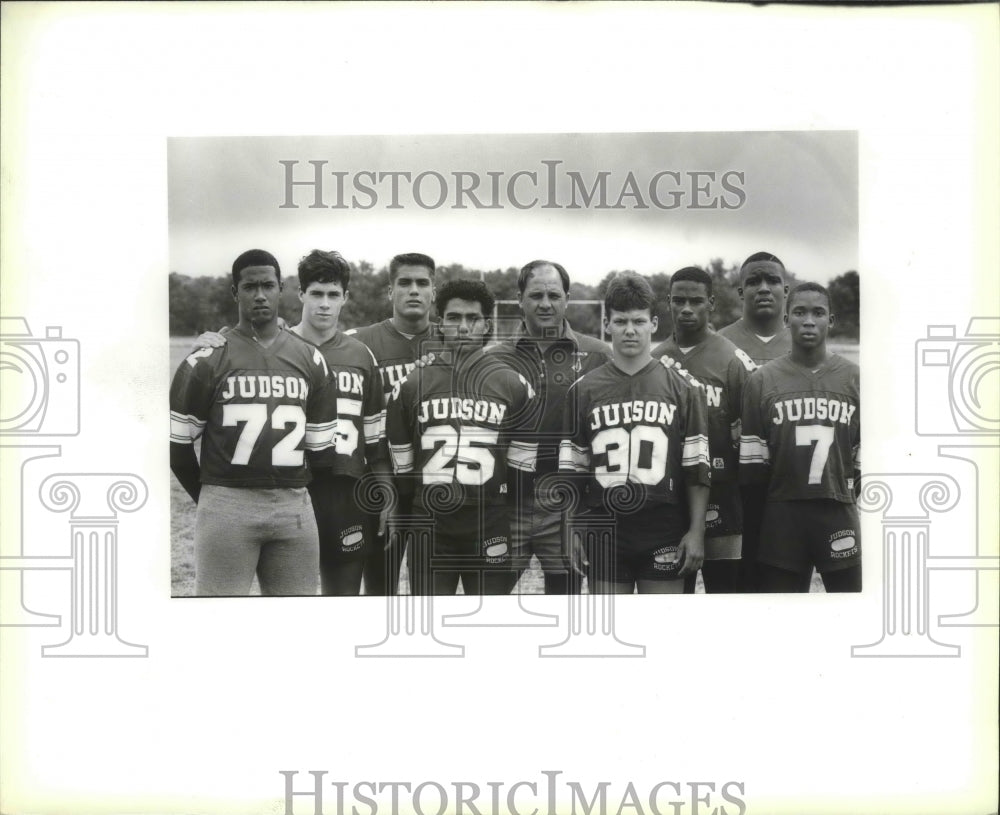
x: 210, y: 339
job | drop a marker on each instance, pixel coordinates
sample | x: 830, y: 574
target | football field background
x: 182, y: 509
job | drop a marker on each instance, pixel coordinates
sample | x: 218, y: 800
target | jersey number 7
x: 823, y: 436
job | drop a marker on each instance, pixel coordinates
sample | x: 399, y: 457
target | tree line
x: 206, y: 303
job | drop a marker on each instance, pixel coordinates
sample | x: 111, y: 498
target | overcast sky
x: 791, y: 193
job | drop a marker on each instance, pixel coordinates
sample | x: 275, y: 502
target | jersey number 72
x: 254, y: 419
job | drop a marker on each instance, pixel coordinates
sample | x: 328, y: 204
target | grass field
x: 182, y: 510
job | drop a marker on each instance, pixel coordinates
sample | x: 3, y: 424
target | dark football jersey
x: 757, y: 349
x: 455, y: 423
x: 257, y: 410
x: 648, y: 429
x: 395, y: 354
x: 723, y: 370
x: 360, y: 407
x: 802, y: 429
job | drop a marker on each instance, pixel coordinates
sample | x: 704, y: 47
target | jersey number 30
x: 639, y: 455
x: 254, y: 419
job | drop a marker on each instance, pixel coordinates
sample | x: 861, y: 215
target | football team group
x: 329, y: 456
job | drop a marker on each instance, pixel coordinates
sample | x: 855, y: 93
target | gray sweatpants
x: 242, y: 531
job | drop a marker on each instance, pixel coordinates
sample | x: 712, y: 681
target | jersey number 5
x: 254, y: 419
x: 455, y: 456
x: 348, y: 413
x: 823, y: 436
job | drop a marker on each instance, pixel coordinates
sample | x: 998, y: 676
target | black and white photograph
x: 541, y: 224
x: 356, y: 358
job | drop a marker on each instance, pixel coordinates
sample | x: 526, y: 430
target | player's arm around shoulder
x: 214, y: 339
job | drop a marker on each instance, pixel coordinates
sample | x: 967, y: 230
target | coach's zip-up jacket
x: 550, y: 371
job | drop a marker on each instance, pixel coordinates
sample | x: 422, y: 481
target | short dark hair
x: 254, y: 257
x: 629, y: 291
x: 324, y: 267
x: 694, y: 274
x: 529, y: 269
x: 474, y: 290
x: 761, y: 257
x: 808, y: 286
x: 410, y: 259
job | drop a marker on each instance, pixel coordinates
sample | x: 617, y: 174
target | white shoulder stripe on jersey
x: 573, y: 457
x: 374, y: 427
x: 320, y: 436
x: 753, y: 450
x: 695, y: 451
x: 521, y: 455
x: 402, y: 458
x: 185, y: 428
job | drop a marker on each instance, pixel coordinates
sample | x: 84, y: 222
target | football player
x: 799, y: 450
x: 395, y: 343
x: 259, y: 403
x: 762, y: 334
x: 450, y: 426
x: 346, y: 534
x: 637, y: 436
x: 761, y: 331
x: 551, y: 356
x: 722, y: 369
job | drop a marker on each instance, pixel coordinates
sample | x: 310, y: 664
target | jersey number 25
x: 456, y: 456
